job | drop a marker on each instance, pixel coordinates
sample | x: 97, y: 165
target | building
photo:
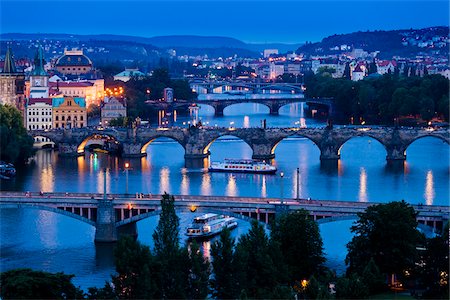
x: 39, y: 78
x: 269, y: 52
x: 69, y: 112
x: 127, y: 74
x: 12, y: 83
x: 112, y: 108
x: 38, y: 114
x: 358, y: 73
x: 91, y: 90
x: 385, y: 66
x: 73, y: 62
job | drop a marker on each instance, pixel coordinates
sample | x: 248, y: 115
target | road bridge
x: 273, y: 102
x: 226, y: 86
x: 113, y: 214
x: 197, y: 141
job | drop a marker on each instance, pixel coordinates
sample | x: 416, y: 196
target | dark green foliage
x: 199, y: 273
x: 387, y: 233
x: 372, y: 277
x: 352, y: 287
x: 373, y: 68
x: 300, y: 243
x: 432, y: 270
x: 261, y: 272
x: 16, y: 145
x: 29, y: 284
x: 172, y: 262
x: 135, y: 270
x: 380, y: 100
x: 316, y: 290
x: 106, y: 292
x: 347, y: 71
x: 119, y: 122
x: 224, y: 281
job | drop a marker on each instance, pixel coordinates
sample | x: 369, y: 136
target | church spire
x: 10, y: 66
x: 39, y: 63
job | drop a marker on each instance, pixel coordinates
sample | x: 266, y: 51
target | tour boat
x: 7, y: 171
x: 242, y: 165
x: 208, y: 225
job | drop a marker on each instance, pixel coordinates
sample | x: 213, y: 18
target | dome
x: 73, y: 58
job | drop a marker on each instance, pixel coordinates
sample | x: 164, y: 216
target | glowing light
x: 429, y: 188
x: 193, y: 208
x: 363, y: 185
x: 246, y: 122
x: 231, y: 189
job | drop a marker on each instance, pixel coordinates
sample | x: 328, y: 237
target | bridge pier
x: 105, y: 228
x: 66, y: 149
x: 329, y: 153
x: 395, y: 153
x: 262, y: 152
x: 132, y: 150
x: 274, y: 109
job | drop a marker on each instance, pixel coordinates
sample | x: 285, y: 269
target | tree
x: 388, y: 234
x: 351, y: 287
x: 261, y: 271
x: 426, y: 108
x: 199, y: 273
x: 29, y: 284
x: 373, y: 279
x: 16, y: 145
x: 347, y: 74
x: 172, y: 261
x: 373, y: 68
x: 224, y: 281
x: 298, y: 234
x: 135, y: 277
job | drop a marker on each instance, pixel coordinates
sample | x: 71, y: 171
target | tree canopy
x: 16, y: 145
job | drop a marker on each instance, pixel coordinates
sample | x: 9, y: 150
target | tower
x: 12, y: 82
x: 39, y: 78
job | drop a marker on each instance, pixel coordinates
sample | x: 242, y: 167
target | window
x: 63, y: 118
x: 63, y: 69
x: 81, y: 118
x: 57, y: 125
x: 57, y: 118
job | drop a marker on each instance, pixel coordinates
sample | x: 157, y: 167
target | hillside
x: 389, y: 43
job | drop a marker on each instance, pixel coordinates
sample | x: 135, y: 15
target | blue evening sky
x: 254, y: 21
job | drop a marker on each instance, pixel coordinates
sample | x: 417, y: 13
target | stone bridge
x: 197, y: 141
x: 217, y: 87
x: 274, y: 104
x: 116, y: 214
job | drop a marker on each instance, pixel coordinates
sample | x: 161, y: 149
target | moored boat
x: 242, y: 166
x: 208, y: 225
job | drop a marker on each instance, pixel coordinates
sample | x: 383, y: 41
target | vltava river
x: 44, y: 240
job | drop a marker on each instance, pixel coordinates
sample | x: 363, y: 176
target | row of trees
x: 16, y: 145
x: 381, y: 100
x: 284, y: 265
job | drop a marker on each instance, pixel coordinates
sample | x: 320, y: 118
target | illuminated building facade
x: 12, y: 83
x: 69, y: 112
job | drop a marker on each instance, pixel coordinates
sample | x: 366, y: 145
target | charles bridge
x: 116, y: 214
x: 197, y: 141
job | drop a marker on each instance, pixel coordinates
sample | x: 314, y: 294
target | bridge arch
x: 368, y: 135
x: 295, y: 134
x: 41, y: 141
x: 199, y: 209
x: 96, y: 136
x: 233, y: 134
x: 436, y: 136
x: 150, y: 140
x: 249, y: 102
x: 50, y: 209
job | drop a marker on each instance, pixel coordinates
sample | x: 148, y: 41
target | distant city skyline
x: 249, y: 21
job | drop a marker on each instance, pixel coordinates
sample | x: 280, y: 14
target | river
x: 44, y: 240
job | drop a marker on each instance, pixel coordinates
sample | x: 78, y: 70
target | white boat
x: 208, y: 225
x: 242, y: 166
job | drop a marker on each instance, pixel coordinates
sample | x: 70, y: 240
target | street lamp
x: 281, y: 187
x: 127, y: 166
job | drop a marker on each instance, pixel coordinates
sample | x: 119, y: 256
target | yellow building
x: 69, y: 112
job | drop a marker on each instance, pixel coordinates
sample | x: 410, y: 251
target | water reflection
x: 263, y: 187
x: 363, y: 185
x: 231, y: 189
x: 47, y: 179
x: 47, y: 229
x: 429, y: 188
x: 206, y: 184
x: 164, y: 183
x: 184, y: 189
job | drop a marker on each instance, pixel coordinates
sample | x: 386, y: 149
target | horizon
x: 286, y: 22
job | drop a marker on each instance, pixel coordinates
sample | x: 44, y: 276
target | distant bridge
x: 274, y: 102
x: 226, y: 86
x: 197, y: 141
x: 113, y: 214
